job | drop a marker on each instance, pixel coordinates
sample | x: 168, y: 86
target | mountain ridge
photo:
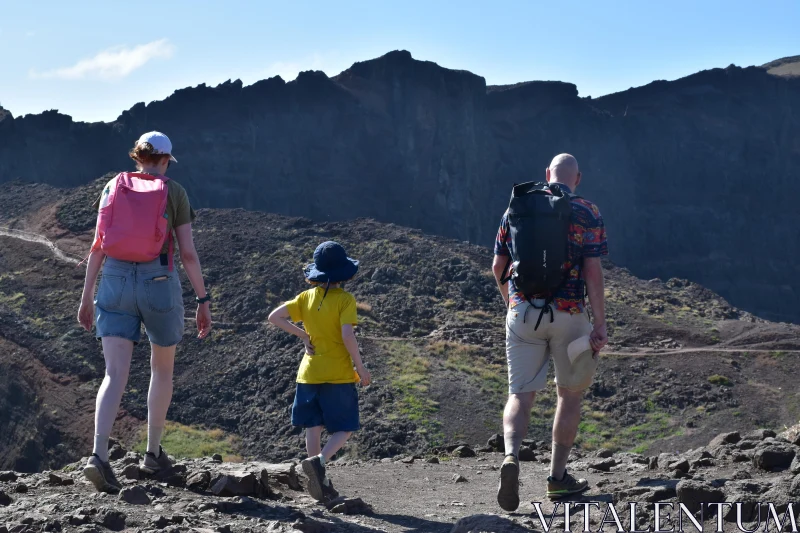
x: 409, y: 142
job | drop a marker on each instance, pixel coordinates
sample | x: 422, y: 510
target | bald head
x: 564, y: 169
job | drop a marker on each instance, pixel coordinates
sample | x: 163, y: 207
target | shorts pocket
x: 109, y: 295
x: 160, y: 294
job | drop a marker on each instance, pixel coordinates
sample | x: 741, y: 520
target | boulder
x: 58, y: 480
x: 526, y: 454
x: 132, y: 472
x: 349, y: 506
x: 242, y: 484
x: 7, y: 477
x: 464, y: 451
x: 239, y: 484
x: 113, y: 519
x: 21, y: 488
x: 496, y: 442
x: 485, y: 523
x: 794, y: 488
x: 432, y: 461
x: 135, y: 495
x: 309, y: 525
x: 199, y: 481
x: 725, y: 438
x: 217, y: 458
x: 759, y: 434
x: 794, y: 468
x: 458, y: 478
x: 694, y: 494
x: 283, y: 473
x: 773, y: 456
x: 5, y: 499
x: 604, y: 453
x: 702, y: 463
x: 681, y: 466
x: 116, y: 453
x: 603, y: 465
x: 160, y: 522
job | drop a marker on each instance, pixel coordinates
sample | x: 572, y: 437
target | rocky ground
x: 452, y: 491
x: 683, y: 364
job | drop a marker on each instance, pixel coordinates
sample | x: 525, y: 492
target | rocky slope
x: 673, y: 165
x: 683, y: 364
x: 449, y: 492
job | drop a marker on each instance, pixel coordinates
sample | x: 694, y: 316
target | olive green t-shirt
x: 179, y: 211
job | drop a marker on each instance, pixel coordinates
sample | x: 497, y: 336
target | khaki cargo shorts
x: 529, y: 351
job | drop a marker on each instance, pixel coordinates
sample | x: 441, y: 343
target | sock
x: 558, y: 462
x: 325, y: 481
x: 513, y: 441
x: 101, y: 447
x: 154, y: 439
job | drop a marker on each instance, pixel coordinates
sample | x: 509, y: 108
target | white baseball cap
x: 160, y: 142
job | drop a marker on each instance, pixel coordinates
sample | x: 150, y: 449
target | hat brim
x: 342, y: 273
x: 172, y: 158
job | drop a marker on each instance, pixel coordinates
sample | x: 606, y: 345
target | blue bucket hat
x: 331, y: 264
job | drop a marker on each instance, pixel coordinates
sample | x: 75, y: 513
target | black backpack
x: 539, y: 218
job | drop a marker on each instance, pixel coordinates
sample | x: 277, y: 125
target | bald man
x: 529, y: 346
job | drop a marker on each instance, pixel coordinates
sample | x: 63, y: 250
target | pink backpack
x: 132, y: 221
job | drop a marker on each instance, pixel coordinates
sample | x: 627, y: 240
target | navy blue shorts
x: 333, y: 405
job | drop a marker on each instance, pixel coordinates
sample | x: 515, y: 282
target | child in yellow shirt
x: 326, y: 394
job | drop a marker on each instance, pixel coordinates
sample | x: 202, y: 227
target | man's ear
x: 547, y: 174
x: 578, y: 180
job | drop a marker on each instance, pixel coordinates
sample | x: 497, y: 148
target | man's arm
x: 498, y: 269
x: 593, y: 276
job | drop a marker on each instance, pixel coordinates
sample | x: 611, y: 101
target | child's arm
x: 280, y: 317
x: 350, y: 342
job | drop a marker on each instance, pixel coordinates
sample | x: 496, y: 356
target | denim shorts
x: 333, y: 405
x: 132, y: 294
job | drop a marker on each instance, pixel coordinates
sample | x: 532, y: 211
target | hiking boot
x: 315, y: 472
x: 508, y: 492
x: 101, y: 475
x: 153, y: 465
x: 565, y: 487
x: 328, y: 492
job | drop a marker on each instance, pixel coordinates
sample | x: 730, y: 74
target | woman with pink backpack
x: 138, y: 214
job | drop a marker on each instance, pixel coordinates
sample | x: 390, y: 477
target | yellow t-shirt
x: 331, y: 362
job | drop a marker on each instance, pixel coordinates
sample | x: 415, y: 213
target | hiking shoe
x: 101, y: 475
x: 565, y: 487
x: 508, y: 492
x: 328, y: 492
x: 315, y: 472
x: 152, y: 464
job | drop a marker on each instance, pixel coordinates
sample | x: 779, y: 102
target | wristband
x: 204, y: 299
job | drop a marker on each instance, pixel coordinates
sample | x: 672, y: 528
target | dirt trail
x: 41, y: 239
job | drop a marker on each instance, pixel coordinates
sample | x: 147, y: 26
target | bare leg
x: 565, y: 429
x: 162, y: 365
x: 335, y: 443
x: 314, y: 441
x: 117, y: 353
x: 516, y: 418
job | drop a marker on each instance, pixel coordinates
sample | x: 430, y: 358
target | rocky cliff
x: 693, y: 176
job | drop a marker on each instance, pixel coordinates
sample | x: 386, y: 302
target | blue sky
x: 93, y: 59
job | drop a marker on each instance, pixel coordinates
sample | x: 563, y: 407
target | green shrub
x: 716, y: 379
x: 191, y: 442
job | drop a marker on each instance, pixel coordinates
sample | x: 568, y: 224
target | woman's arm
x: 86, y: 311
x: 191, y: 264
x: 280, y: 317
x: 350, y: 342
